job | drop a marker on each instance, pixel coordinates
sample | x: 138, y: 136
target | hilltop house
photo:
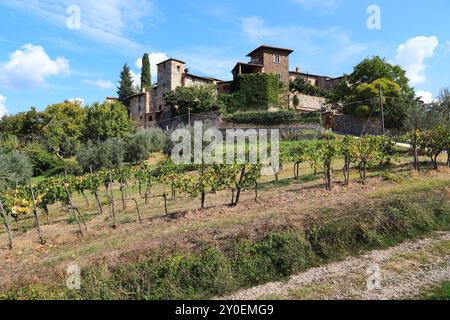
x: 148, y: 109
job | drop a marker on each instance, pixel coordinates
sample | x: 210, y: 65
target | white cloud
x: 136, y: 77
x: 102, y: 84
x: 323, y: 6
x: 30, y: 66
x: 3, y: 110
x: 412, y: 54
x: 78, y: 100
x: 425, y: 96
x: 111, y: 22
x: 155, y: 59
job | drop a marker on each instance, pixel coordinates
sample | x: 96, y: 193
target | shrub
x: 230, y: 103
x: 15, y: 168
x: 278, y: 255
x: 143, y: 143
x: 296, y: 101
x: 300, y: 85
x: 258, y: 91
x: 263, y: 117
x: 198, y: 98
x: 107, y: 155
x: 41, y: 159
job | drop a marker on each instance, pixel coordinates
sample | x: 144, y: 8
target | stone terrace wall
x: 308, y: 102
x: 357, y: 126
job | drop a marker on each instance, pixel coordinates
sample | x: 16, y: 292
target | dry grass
x: 286, y: 202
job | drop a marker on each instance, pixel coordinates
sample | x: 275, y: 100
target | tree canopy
x: 126, y: 85
x: 198, y: 98
x: 146, y: 76
x: 107, y: 120
x: 360, y: 91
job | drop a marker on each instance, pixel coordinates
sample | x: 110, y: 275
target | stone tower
x: 170, y: 77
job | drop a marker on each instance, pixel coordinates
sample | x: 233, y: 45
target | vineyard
x: 113, y: 190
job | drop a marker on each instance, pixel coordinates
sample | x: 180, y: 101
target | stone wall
x: 141, y: 108
x: 354, y: 125
x: 170, y: 75
x: 190, y: 80
x: 281, y: 68
x: 309, y: 103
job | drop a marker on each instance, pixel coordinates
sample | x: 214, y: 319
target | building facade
x: 148, y: 109
x: 266, y: 59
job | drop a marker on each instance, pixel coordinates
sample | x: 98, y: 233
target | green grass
x: 439, y: 293
x: 210, y: 268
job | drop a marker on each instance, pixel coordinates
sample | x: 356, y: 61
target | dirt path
x: 405, y: 271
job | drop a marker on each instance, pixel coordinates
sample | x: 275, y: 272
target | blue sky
x: 43, y: 61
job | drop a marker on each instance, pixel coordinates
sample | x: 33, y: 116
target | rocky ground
x: 401, y: 272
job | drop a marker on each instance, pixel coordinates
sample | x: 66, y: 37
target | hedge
x: 262, y: 117
x: 257, y: 91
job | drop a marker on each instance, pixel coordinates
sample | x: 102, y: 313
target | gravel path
x: 404, y: 271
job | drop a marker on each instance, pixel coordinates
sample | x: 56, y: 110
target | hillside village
x: 149, y: 109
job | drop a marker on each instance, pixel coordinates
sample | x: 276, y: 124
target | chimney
x: 297, y: 69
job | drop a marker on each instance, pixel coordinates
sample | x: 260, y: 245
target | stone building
x: 266, y: 59
x: 324, y: 82
x: 148, y: 109
x: 142, y: 110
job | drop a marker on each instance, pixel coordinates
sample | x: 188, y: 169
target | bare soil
x: 290, y: 204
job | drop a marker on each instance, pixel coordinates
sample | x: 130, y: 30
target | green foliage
x: 146, y: 77
x: 364, y: 101
x: 198, y: 98
x: 15, y: 168
x: 434, y: 142
x: 101, y: 155
x: 296, y: 101
x: 263, y: 117
x: 143, y: 143
x: 41, y: 159
x: 27, y: 126
x: 64, y: 126
x: 210, y: 270
x: 230, y: 103
x: 372, y: 69
x: 441, y: 293
x: 8, y: 143
x: 442, y: 107
x: 360, y: 91
x: 107, y: 120
x: 258, y: 91
x: 392, y: 221
x: 300, y: 85
x: 277, y: 256
x: 126, y: 86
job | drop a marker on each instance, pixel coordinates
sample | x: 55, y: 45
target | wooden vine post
x: 137, y: 209
x: 111, y: 201
x: 74, y: 211
x: 6, y: 223
x: 36, y: 217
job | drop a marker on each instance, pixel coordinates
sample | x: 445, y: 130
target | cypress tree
x: 146, y: 77
x: 125, y: 88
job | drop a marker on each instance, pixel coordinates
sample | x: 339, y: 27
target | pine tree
x: 146, y: 77
x: 126, y: 87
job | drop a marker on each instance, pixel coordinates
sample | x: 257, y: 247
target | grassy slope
x: 252, y: 267
x: 440, y: 293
